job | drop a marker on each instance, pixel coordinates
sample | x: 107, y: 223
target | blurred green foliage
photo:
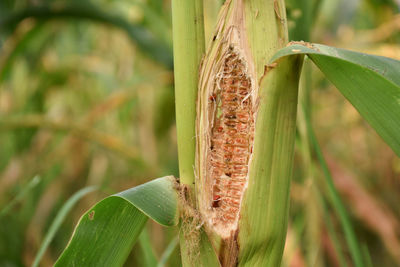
x: 86, y: 98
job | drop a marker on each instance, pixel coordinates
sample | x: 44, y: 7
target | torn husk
x: 226, y: 114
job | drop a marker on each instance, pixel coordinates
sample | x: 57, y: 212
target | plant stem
x: 189, y: 46
x: 188, y: 41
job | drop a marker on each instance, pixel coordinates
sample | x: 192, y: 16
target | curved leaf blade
x: 157, y: 199
x: 371, y: 84
x: 107, y: 232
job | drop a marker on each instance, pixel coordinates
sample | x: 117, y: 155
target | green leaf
x: 371, y: 84
x: 58, y: 220
x: 106, y: 233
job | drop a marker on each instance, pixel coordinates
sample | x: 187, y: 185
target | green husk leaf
x: 371, y: 84
x: 106, y: 233
x: 264, y: 213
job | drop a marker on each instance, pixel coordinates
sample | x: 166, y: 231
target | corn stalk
x: 246, y: 117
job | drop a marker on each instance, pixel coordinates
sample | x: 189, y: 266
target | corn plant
x: 236, y: 109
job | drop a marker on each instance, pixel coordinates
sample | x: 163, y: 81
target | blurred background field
x: 86, y: 98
